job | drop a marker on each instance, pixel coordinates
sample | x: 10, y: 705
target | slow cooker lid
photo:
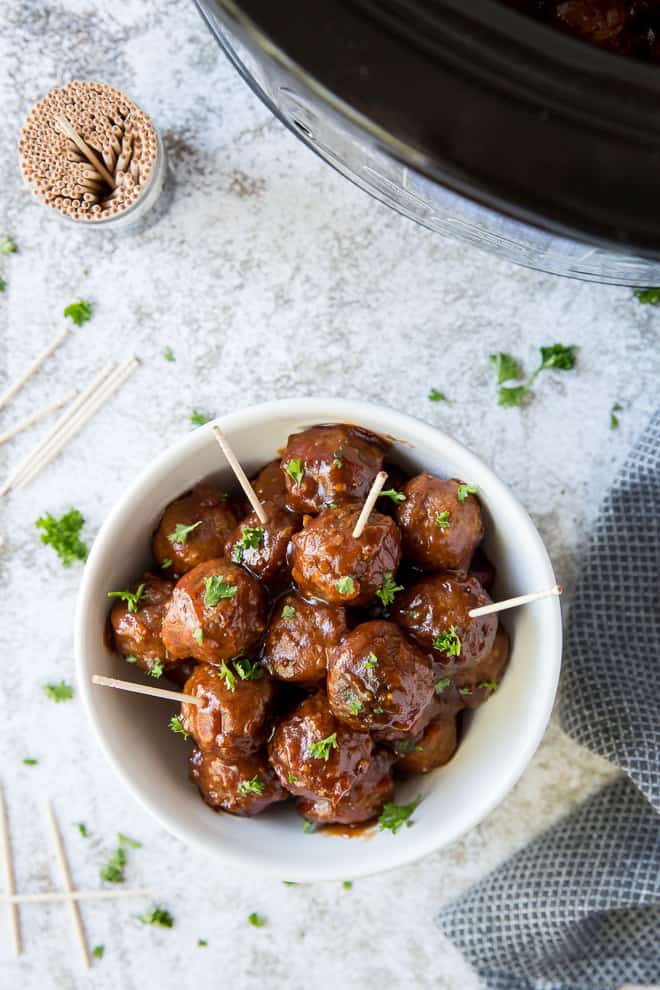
x: 517, y: 116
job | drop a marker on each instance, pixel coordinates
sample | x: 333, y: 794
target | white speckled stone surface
x: 269, y: 276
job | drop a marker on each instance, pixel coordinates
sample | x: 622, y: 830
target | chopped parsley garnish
x: 82, y: 828
x: 199, y: 418
x: 113, y: 872
x: 347, y: 884
x: 345, y: 585
x: 248, y: 670
x: 79, y: 312
x: 408, y: 746
x: 131, y: 659
x: 506, y: 366
x: 288, y: 612
x: 394, y: 495
x: 465, y: 690
x: 227, y: 676
x: 488, y: 685
x: 202, y: 942
x: 125, y: 840
x: 250, y: 539
x: 321, y: 750
x: 215, y: 589
x: 614, y: 419
x: 371, y: 661
x: 29, y: 761
x: 181, y: 532
x: 393, y: 816
x: 338, y: 459
x: 256, y: 920
x: 63, y: 535
x: 254, y: 786
x: 289, y: 883
x: 388, y: 590
x: 448, y: 642
x: 3, y: 285
x: 167, y: 562
x: 442, y: 520
x: 158, y: 916
x: 98, y: 951
x: 132, y: 598
x: 442, y: 684
x: 198, y: 635
x: 168, y: 354
x: 465, y: 490
x: 355, y: 706
x: 177, y: 726
x: 308, y: 827
x: 295, y: 470
x: 557, y: 356
x: 509, y: 397
x: 436, y: 396
x: 378, y: 710
x: 650, y: 296
x: 7, y: 246
x: 156, y: 669
x: 58, y: 692
x: 292, y: 778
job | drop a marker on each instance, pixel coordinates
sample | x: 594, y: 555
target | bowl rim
x: 394, y: 424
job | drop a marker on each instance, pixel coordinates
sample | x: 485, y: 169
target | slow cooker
x: 471, y: 119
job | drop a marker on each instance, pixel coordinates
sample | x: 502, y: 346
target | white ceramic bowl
x: 502, y: 735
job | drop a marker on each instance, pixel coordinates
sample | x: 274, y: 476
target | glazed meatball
x: 434, y: 749
x: 270, y: 485
x: 477, y: 684
x: 329, y: 563
x: 434, y: 612
x: 244, y: 787
x: 234, y: 719
x: 365, y: 799
x: 194, y: 528
x: 262, y: 547
x: 217, y: 611
x: 317, y: 756
x: 441, y: 523
x: 136, y: 625
x: 330, y: 465
x: 483, y: 569
x: 598, y: 21
x: 299, y: 638
x: 379, y: 682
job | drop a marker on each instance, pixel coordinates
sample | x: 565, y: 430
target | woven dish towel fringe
x: 579, y: 907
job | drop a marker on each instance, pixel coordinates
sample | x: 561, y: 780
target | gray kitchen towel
x: 579, y: 907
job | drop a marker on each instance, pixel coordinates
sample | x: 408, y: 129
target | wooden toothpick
x: 75, y: 895
x: 68, y: 885
x: 10, y: 881
x: 370, y: 501
x: 113, y: 682
x: 535, y: 596
x: 34, y: 367
x: 67, y: 128
x: 241, y: 476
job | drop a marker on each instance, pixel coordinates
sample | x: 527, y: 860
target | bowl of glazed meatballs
x: 339, y: 687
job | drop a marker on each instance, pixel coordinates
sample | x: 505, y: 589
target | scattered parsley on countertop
x: 30, y: 761
x: 554, y: 357
x: 176, y: 725
x: 215, y: 589
x: 295, y: 470
x: 158, y: 917
x: 288, y: 612
x: 289, y: 883
x: 506, y: 366
x: 63, y: 535
x: 388, y: 590
x: 168, y: 354
x: 436, y: 396
x: 347, y: 884
x: 125, y: 840
x: 614, y: 419
x: 442, y: 520
x: 79, y: 312
x: 156, y: 669
x: 251, y: 537
x: 82, y: 828
x: 321, y: 750
x: 651, y: 296
x: 132, y: 598
x: 256, y: 920
x: 393, y: 494
x: 199, y: 418
x: 202, y: 941
x: 448, y: 642
x: 393, y: 816
x: 465, y: 490
x: 253, y: 786
x: 98, y: 951
x: 181, y: 532
x: 345, y: 585
x: 113, y: 871
x: 7, y: 246
x: 248, y: 670
x: 58, y: 692
x: 3, y: 285
x: 510, y: 397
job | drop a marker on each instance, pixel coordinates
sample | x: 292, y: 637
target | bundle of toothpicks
x: 87, y: 150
